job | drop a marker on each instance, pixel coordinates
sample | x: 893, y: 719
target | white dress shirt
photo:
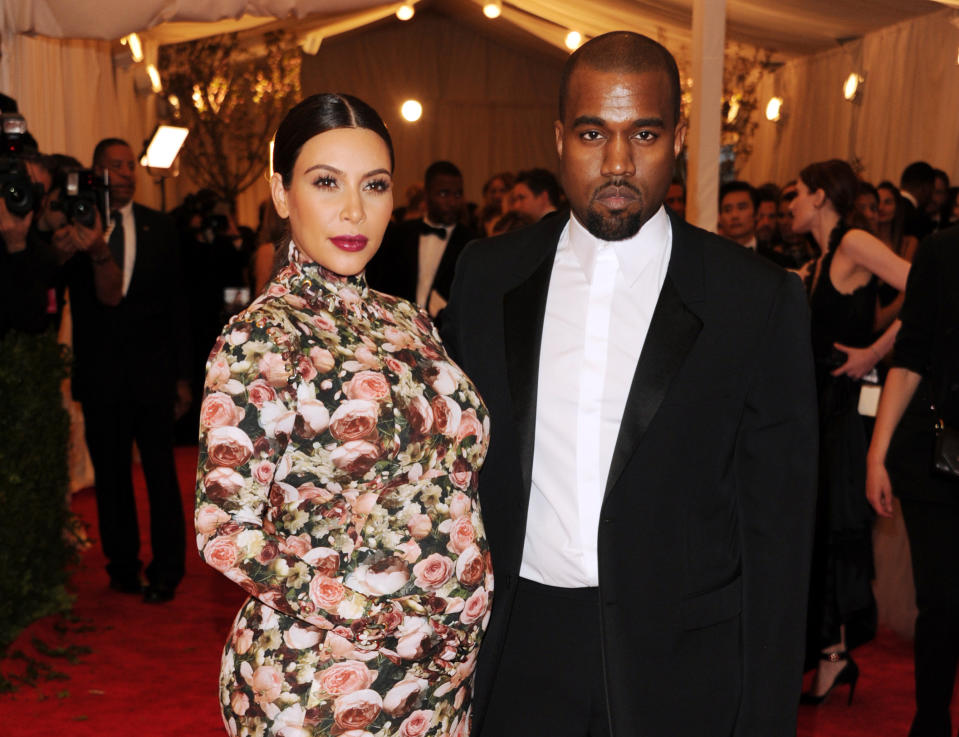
x: 600, y: 303
x: 431, y: 253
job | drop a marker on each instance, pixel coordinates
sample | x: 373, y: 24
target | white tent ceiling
x: 790, y: 28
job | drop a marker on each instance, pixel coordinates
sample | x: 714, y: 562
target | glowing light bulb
x: 411, y: 110
x: 851, y: 88
x: 405, y: 12
x: 132, y: 41
x: 493, y: 10
x: 573, y: 40
x: 774, y: 109
x: 154, y: 76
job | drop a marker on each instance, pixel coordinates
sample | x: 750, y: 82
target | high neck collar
x: 304, y: 275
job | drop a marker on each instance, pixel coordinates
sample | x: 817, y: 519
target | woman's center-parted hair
x: 318, y: 114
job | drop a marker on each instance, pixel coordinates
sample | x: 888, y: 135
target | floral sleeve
x: 250, y: 410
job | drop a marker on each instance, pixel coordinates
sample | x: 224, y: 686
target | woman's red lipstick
x: 350, y: 243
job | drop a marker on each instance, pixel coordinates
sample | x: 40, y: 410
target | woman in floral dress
x: 339, y: 450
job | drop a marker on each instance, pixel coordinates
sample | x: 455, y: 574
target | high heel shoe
x: 849, y: 673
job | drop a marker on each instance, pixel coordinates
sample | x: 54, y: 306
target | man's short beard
x: 617, y: 226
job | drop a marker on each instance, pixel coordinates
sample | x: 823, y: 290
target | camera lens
x: 17, y: 198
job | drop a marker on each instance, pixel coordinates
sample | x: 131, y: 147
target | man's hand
x: 14, y: 228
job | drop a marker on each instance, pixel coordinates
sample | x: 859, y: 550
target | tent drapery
x: 74, y: 92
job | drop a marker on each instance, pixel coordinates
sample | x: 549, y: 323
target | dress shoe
x: 126, y: 586
x: 849, y: 673
x: 154, y: 594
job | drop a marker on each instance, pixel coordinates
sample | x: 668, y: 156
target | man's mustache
x: 614, y: 188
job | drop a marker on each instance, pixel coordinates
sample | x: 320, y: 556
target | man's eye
x: 646, y: 136
x: 590, y: 135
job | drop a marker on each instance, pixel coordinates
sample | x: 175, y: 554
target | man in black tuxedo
x: 130, y: 374
x: 417, y: 258
x: 916, y: 185
x: 649, y: 489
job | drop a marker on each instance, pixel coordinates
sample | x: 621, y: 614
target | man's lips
x: 350, y: 242
x: 615, y: 197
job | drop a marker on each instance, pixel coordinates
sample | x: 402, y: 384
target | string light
x: 573, y: 40
x: 493, y: 10
x: 405, y: 11
x: 154, y: 76
x: 411, y: 110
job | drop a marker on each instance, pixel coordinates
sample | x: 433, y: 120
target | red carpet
x: 152, y: 669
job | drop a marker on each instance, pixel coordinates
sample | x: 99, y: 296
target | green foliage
x: 34, y: 479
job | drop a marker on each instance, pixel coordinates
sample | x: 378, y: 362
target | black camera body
x: 82, y: 194
x: 19, y: 193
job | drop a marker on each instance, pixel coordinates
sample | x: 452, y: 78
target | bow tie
x: 427, y: 229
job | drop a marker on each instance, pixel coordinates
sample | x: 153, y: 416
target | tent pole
x: 703, y: 138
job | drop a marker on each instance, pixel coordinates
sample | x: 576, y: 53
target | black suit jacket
x: 142, y: 343
x: 706, y: 527
x: 395, y: 267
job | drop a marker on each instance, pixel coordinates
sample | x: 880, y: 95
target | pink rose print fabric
x: 339, y: 451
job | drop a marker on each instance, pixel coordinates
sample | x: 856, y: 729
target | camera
x: 82, y: 194
x: 19, y: 192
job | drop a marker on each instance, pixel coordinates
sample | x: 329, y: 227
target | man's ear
x: 679, y: 138
x: 559, y: 130
x: 279, y: 195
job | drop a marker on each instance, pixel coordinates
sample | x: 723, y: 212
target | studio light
x: 164, y: 145
x: 405, y: 11
x: 411, y: 110
x: 774, y: 109
x: 852, y: 88
x: 132, y: 42
x: 493, y: 10
x: 573, y: 40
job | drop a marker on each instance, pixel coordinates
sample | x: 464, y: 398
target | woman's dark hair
x: 898, y: 224
x: 318, y: 114
x: 840, y: 184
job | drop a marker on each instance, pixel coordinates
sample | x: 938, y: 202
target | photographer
x: 28, y: 265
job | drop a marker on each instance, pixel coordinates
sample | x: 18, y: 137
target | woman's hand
x: 859, y: 361
x: 879, y: 488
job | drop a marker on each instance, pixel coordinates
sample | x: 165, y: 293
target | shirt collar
x: 633, y: 254
x: 126, y: 210
x: 909, y: 196
x: 447, y: 228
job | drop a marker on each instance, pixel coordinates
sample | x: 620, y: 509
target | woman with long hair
x: 842, y: 302
x: 339, y: 451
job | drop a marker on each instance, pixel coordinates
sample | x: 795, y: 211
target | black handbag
x: 945, y: 457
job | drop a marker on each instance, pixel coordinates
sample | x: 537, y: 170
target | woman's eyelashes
x: 327, y: 181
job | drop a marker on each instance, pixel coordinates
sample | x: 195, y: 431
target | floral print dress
x: 339, y: 450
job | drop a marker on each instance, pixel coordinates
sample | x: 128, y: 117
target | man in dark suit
x: 649, y: 490
x: 916, y: 185
x: 130, y: 375
x: 417, y: 257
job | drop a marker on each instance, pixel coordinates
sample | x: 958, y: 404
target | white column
x: 708, y: 57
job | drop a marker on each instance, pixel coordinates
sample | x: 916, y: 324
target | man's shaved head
x: 622, y: 51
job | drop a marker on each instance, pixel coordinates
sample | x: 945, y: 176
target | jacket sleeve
x: 776, y: 473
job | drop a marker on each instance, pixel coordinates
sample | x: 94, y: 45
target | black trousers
x: 550, y: 679
x: 111, y: 428
x: 933, y: 531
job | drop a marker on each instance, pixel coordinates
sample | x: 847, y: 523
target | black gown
x: 842, y: 566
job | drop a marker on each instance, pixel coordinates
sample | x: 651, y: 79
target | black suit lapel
x: 524, y: 308
x: 672, y: 333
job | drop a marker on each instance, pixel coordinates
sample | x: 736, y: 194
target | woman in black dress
x: 842, y: 300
